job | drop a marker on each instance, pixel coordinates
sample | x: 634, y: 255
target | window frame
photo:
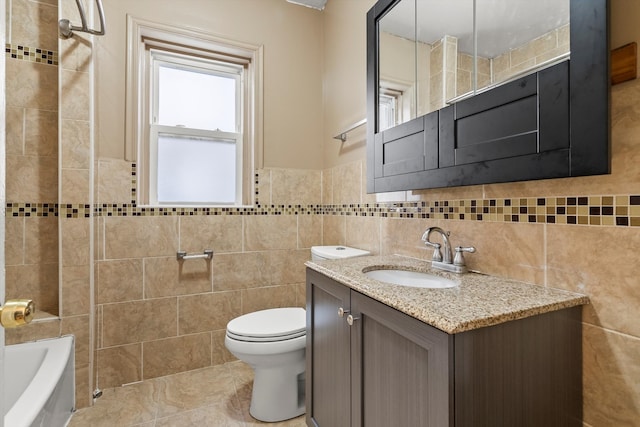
x: 159, y: 58
x: 143, y: 37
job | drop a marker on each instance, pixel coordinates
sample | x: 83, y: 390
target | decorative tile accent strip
x: 618, y: 210
x: 31, y: 54
x: 31, y: 209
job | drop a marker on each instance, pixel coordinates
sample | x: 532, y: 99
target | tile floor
x: 217, y: 396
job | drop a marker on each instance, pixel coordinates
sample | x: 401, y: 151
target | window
x: 193, y: 116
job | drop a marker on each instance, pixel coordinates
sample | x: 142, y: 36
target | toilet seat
x: 277, y: 324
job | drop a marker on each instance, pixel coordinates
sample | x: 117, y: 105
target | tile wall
x: 158, y: 315
x: 31, y: 243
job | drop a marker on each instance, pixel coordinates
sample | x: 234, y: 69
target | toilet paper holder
x: 182, y: 255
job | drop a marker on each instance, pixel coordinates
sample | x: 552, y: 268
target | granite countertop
x: 478, y: 301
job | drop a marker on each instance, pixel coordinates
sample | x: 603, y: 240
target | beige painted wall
x: 292, y: 39
x: 624, y: 18
x: 344, y: 78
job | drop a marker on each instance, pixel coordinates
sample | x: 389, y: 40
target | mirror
x: 433, y: 53
x: 467, y: 92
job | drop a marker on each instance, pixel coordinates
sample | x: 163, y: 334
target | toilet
x: 273, y: 342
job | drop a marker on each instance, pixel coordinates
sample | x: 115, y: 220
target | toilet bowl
x: 273, y: 343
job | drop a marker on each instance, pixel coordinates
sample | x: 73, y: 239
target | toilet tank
x: 319, y: 253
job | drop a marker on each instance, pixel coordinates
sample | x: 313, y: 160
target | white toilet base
x: 278, y: 392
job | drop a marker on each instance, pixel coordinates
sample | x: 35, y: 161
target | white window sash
x: 157, y: 130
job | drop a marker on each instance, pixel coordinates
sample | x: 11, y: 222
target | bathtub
x: 40, y: 383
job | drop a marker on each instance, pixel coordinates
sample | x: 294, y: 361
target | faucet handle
x: 459, y: 258
x: 437, y: 255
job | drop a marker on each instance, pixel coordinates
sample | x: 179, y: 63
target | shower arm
x: 66, y: 29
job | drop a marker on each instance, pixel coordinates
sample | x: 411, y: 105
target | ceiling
x: 501, y: 24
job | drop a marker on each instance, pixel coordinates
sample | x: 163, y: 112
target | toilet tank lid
x: 337, y: 252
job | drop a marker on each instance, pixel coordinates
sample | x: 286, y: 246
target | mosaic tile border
x: 614, y: 210
x: 618, y: 210
x: 31, y: 54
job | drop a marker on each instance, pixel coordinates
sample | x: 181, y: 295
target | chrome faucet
x: 437, y: 256
x: 445, y: 262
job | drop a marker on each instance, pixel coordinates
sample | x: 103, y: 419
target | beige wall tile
x: 15, y: 129
x: 347, y: 183
x: 179, y: 354
x: 14, y: 246
x: 119, y: 280
x: 334, y: 229
x: 610, y: 369
x: 75, y: 236
x: 78, y: 326
x: 596, y: 261
x: 219, y: 352
x: 327, y: 186
x: 301, y: 294
x: 29, y: 85
x: 75, y: 186
x: 38, y: 282
x: 222, y: 233
x: 403, y: 237
x: 268, y: 297
x: 33, y: 331
x: 114, y: 181
x: 168, y: 277
x: 41, y: 133
x: 32, y: 179
x: 137, y: 237
x: 363, y: 233
x: 264, y: 187
x: 76, y: 102
x: 136, y: 321
x: 240, y: 271
x: 309, y: 231
x: 75, y: 53
x: 287, y: 267
x: 270, y: 232
x: 296, y: 187
x: 511, y: 250
x: 76, y: 290
x: 75, y: 144
x: 34, y: 24
x: 41, y: 239
x: 207, y: 312
x: 83, y: 387
x: 119, y: 365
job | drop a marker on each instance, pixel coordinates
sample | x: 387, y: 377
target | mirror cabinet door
x: 437, y: 66
x: 519, y: 37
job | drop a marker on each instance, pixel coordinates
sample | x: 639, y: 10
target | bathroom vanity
x: 488, y: 352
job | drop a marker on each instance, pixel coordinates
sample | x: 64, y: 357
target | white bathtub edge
x: 35, y: 397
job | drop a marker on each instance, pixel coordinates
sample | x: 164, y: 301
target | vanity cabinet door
x: 401, y: 369
x: 328, y: 395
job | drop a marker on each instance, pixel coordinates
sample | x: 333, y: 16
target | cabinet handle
x: 351, y: 319
x: 342, y: 312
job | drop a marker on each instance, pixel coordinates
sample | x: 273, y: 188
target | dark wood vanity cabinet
x: 389, y: 369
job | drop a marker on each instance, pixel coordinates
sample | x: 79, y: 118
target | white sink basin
x: 413, y: 279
